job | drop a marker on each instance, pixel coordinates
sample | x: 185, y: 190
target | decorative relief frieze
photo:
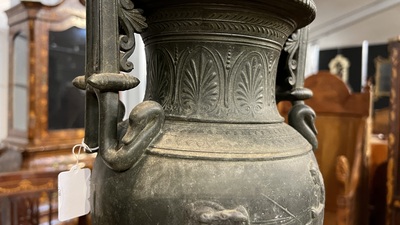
x: 271, y: 79
x: 160, y: 77
x: 225, y: 81
x: 207, y: 212
x: 249, y: 85
x: 130, y: 21
x: 228, y: 67
x: 291, y: 47
x: 199, y: 83
x: 318, y: 191
x: 249, y: 24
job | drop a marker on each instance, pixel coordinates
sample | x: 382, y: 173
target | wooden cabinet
x: 393, y: 176
x: 46, y: 113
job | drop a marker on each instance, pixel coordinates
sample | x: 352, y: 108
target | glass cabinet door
x: 66, y: 61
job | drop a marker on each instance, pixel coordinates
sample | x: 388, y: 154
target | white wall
x: 4, y: 4
x: 312, y: 59
x: 134, y: 96
x: 344, y: 23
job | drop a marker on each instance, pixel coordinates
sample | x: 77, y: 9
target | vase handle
x: 302, y: 118
x: 290, y: 85
x: 143, y: 125
x: 110, y: 42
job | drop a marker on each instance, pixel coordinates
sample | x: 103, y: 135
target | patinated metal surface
x: 207, y: 146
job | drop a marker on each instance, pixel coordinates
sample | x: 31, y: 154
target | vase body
x: 224, y: 155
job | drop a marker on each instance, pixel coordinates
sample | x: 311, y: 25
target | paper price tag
x: 73, y: 193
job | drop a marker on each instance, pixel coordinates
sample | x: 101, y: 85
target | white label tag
x: 73, y: 193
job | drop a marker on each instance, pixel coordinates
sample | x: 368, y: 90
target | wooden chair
x: 343, y: 128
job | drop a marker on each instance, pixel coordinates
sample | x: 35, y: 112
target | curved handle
x: 145, y: 123
x: 301, y: 117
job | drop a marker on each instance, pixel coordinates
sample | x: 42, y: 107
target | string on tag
x: 87, y: 148
x: 81, y: 146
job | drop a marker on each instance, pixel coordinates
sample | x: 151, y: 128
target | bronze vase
x: 207, y: 146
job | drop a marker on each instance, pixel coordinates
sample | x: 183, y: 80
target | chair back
x: 343, y: 130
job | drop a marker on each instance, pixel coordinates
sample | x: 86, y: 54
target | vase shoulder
x: 229, y: 142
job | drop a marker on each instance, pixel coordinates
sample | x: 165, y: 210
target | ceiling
x: 344, y: 23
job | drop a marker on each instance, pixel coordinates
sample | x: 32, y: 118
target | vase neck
x: 215, y: 63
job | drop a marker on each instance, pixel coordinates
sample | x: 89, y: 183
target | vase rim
x: 303, y: 12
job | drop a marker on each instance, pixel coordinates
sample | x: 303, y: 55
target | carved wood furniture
x: 393, y: 175
x: 342, y: 124
x: 28, y: 198
x: 343, y: 130
x: 45, y: 112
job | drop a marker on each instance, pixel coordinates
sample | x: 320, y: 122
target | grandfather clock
x: 46, y: 51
